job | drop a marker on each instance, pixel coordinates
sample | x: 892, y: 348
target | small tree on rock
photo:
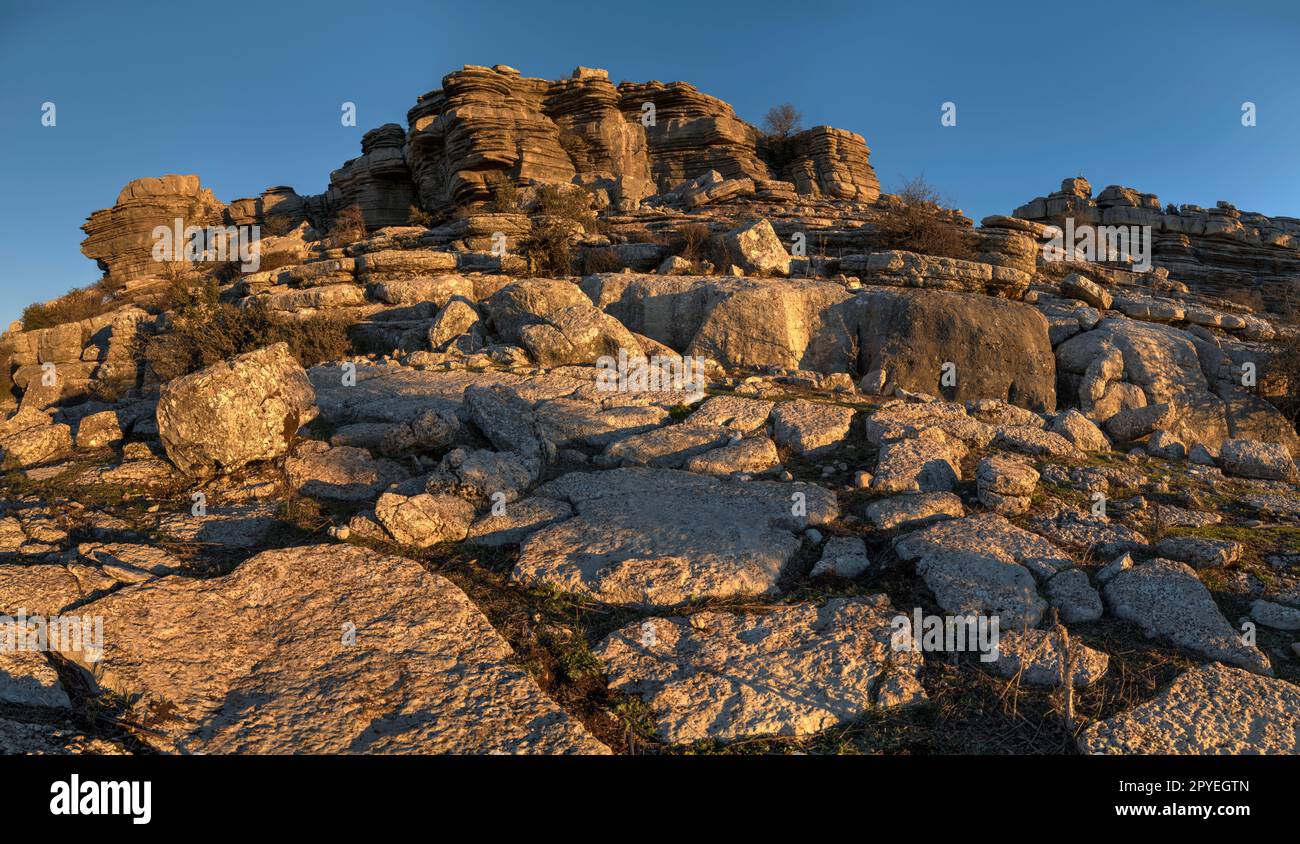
x: 782, y: 121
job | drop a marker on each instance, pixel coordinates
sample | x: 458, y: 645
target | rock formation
x: 640, y: 357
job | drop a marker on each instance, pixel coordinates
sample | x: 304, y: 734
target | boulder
x: 1167, y: 599
x: 757, y: 250
x: 997, y: 349
x: 235, y: 412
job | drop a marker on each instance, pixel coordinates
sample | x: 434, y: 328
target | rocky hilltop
x: 1220, y: 251
x: 584, y: 418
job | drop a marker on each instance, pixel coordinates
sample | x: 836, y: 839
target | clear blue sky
x: 247, y: 95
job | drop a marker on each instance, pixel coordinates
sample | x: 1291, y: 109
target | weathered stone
x: 1000, y: 349
x: 1074, y: 528
x: 842, y: 556
x: 902, y: 420
x: 343, y: 473
x: 1081, y: 287
x: 1210, y: 710
x: 423, y: 520
x: 381, y: 657
x: 1036, y: 658
x: 1199, y: 553
x: 790, y: 670
x: 34, y: 446
x: 1073, y: 596
x: 810, y: 428
x: 914, y: 511
x: 757, y: 250
x: 1275, y: 615
x: 1004, y: 484
x: 509, y: 525
x: 750, y: 455
x: 930, y: 462
x: 981, y: 564
x: 26, y: 676
x: 235, y: 412
x: 1254, y: 459
x: 745, y: 416
x: 1166, y: 599
x: 99, y: 429
x: 661, y: 537
x: 482, y: 476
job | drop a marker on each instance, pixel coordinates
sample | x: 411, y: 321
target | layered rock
x: 378, y: 182
x: 120, y: 239
x: 1220, y: 251
x: 623, y: 143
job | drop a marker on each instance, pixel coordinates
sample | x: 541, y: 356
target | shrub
x: 782, y: 121
x: 1281, y: 378
x: 573, y: 204
x: 74, y: 306
x: 348, y: 227
x: 504, y: 194
x: 420, y: 217
x: 278, y: 225
x: 695, y: 241
x: 202, y: 334
x: 600, y: 260
x: 920, y: 222
x: 548, y: 249
x: 276, y: 260
x: 1250, y: 298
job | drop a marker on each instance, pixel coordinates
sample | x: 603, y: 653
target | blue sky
x: 247, y: 95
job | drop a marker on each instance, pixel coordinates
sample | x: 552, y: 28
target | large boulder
x: 757, y: 250
x: 530, y: 302
x: 235, y: 412
x: 999, y: 348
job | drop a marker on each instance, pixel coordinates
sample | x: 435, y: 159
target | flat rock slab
x: 660, y: 537
x: 665, y: 448
x: 750, y: 455
x: 929, y: 462
x: 981, y: 564
x: 1213, y: 710
x: 788, y: 671
x: 225, y: 527
x: 810, y: 428
x: 42, y: 589
x: 63, y: 739
x: 324, y: 649
x: 1073, y: 528
x: 914, y: 511
x: 344, y: 473
x: 1167, y: 599
x: 743, y: 415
